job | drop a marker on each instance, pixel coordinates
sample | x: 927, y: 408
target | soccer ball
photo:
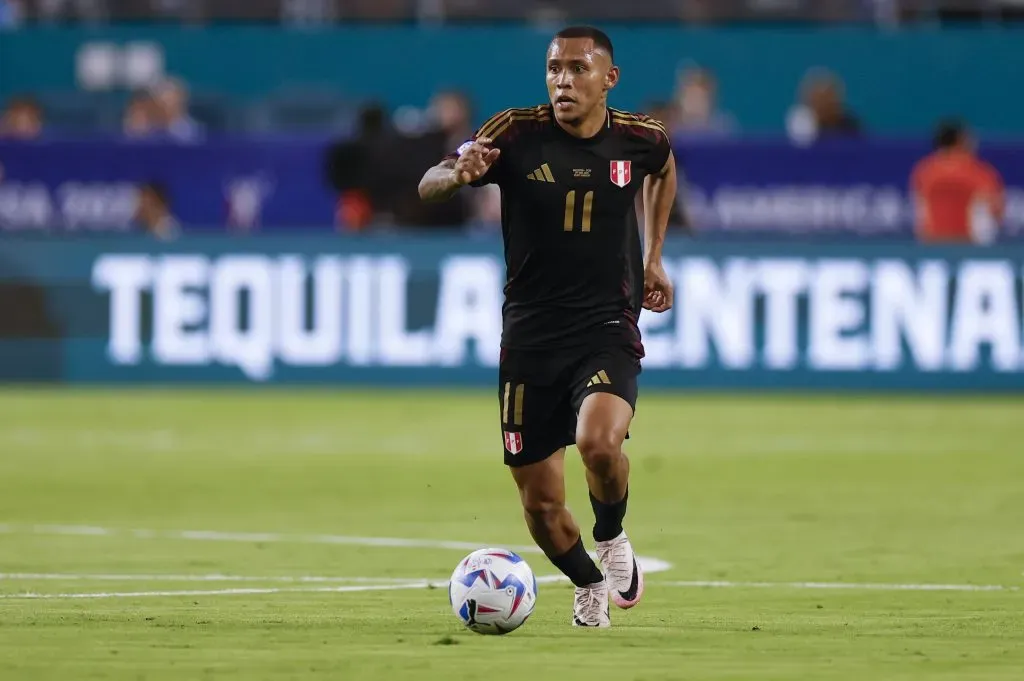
x: 492, y: 591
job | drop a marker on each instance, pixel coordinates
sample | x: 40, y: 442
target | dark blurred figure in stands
x: 140, y: 116
x: 822, y: 112
x: 450, y: 116
x: 697, y: 112
x: 171, y: 97
x: 22, y: 119
x: 374, y: 191
x: 958, y: 198
x: 153, y: 213
x: 358, y: 170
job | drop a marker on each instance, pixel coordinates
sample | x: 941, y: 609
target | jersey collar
x: 601, y: 133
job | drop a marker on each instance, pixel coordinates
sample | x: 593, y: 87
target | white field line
x: 837, y: 586
x: 281, y: 579
x: 647, y: 563
x: 846, y: 586
x: 650, y: 565
x: 249, y: 537
x: 223, y: 592
x: 378, y: 583
x: 409, y: 584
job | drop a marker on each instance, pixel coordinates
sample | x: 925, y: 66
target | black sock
x: 608, y: 517
x: 577, y: 565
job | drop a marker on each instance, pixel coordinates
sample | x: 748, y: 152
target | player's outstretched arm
x: 442, y: 181
x: 659, y: 195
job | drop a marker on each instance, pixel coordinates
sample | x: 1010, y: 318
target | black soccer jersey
x: 572, y: 243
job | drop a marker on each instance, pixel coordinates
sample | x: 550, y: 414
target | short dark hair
x: 599, y: 37
x: 949, y: 133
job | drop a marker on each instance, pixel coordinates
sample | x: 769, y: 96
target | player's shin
x: 609, y: 492
x: 608, y: 481
x: 558, y: 536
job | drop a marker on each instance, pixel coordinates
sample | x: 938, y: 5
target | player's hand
x: 658, y: 290
x: 475, y: 161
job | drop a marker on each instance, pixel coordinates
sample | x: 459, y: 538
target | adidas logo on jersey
x: 600, y: 378
x: 542, y: 174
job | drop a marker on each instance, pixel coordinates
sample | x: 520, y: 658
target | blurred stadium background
x: 302, y: 125
x: 200, y: 193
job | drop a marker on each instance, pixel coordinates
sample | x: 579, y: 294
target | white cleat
x: 622, y: 572
x: 590, y: 609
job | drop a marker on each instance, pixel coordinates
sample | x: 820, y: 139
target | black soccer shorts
x: 540, y: 395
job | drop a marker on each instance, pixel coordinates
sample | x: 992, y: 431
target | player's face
x: 579, y: 77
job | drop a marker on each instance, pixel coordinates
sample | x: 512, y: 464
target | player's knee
x: 543, y: 511
x: 600, y: 450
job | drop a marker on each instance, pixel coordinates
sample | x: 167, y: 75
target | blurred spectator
x: 357, y: 169
x: 171, y: 98
x: 958, y: 198
x: 22, y: 119
x: 451, y: 114
x: 822, y: 112
x: 153, y: 213
x: 376, y: 190
x: 696, y: 111
x: 12, y: 13
x: 140, y: 116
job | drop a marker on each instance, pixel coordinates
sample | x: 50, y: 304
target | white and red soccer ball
x: 492, y: 591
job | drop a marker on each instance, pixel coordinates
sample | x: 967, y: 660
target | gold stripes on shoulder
x: 499, y: 123
x: 624, y: 118
x: 649, y: 124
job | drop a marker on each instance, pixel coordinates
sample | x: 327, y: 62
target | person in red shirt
x: 958, y: 197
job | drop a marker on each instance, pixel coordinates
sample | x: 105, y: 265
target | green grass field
x: 110, y: 492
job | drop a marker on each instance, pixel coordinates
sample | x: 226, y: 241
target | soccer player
x: 569, y: 172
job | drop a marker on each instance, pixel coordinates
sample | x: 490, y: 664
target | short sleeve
x: 660, y: 149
